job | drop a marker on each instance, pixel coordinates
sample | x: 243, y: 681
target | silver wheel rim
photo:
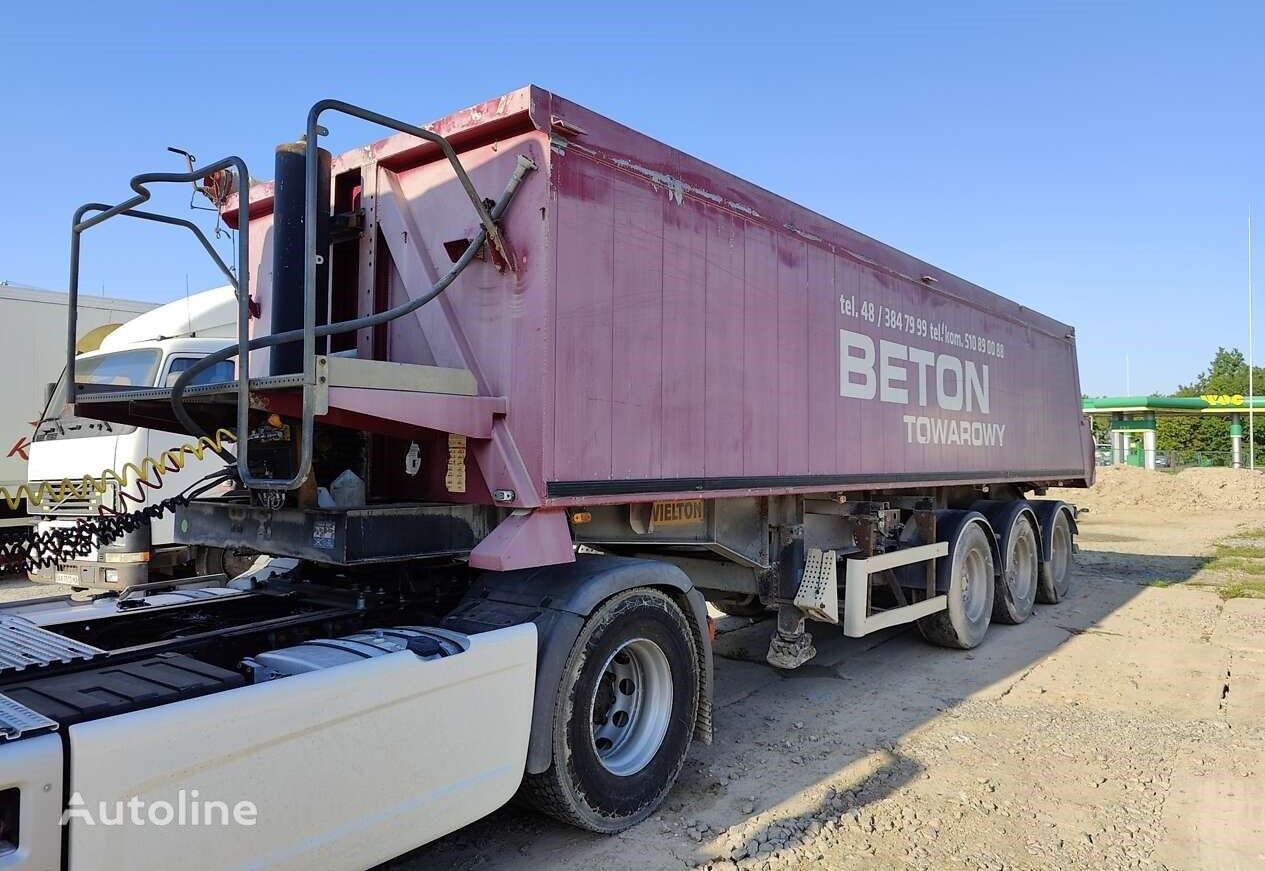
x: 973, y: 574
x: 632, y: 706
x: 1061, y: 548
x: 1021, y: 565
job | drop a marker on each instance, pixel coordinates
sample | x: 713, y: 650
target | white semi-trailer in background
x: 33, y: 339
x: 150, y: 351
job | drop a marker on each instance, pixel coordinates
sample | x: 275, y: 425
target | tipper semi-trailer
x: 516, y: 394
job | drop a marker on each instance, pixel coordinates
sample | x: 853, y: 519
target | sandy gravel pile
x: 1213, y: 489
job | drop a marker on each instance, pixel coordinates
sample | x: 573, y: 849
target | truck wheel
x: 740, y: 606
x: 1017, y: 585
x: 623, y: 716
x: 970, y: 607
x: 1055, y: 576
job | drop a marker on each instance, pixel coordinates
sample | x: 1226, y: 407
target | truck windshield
x: 131, y: 368
x: 121, y: 369
x: 215, y: 374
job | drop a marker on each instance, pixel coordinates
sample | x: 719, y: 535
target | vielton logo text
x: 187, y: 810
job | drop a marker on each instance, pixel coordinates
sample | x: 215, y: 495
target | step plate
x: 25, y: 645
x: 17, y: 720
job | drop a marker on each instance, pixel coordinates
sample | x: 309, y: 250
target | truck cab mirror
x: 49, y: 389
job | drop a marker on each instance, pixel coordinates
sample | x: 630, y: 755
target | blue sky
x: 1092, y: 160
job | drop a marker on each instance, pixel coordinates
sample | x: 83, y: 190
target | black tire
x: 579, y: 788
x: 1056, y: 575
x: 740, y: 606
x: 970, y: 591
x: 1021, y: 561
x: 218, y: 560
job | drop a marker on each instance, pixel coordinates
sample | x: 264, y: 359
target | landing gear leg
x: 791, y: 646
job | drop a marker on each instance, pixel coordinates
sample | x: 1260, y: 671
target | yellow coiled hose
x: 147, y: 475
x: 28, y: 548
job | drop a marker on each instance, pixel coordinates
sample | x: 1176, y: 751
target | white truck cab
x: 150, y: 351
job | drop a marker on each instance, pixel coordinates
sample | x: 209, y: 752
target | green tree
x: 1226, y: 374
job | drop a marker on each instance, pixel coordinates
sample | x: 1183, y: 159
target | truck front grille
x: 72, y: 505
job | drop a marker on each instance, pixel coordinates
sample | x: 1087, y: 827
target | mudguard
x: 346, y: 767
x: 1046, y: 511
x: 949, y: 522
x: 558, y: 599
x: 1001, y: 516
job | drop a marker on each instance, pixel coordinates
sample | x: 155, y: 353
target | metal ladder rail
x: 523, y: 167
x: 241, y: 283
x: 185, y: 420
x: 490, y: 233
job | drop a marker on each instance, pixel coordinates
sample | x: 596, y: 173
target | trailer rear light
x: 141, y: 556
x: 10, y: 814
x: 578, y: 517
x: 503, y: 495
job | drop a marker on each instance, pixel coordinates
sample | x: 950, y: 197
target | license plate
x: 67, y: 577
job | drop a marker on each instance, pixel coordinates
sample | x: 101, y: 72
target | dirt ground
x: 1122, y: 728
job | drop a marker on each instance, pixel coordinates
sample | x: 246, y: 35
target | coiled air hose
x: 28, y: 548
